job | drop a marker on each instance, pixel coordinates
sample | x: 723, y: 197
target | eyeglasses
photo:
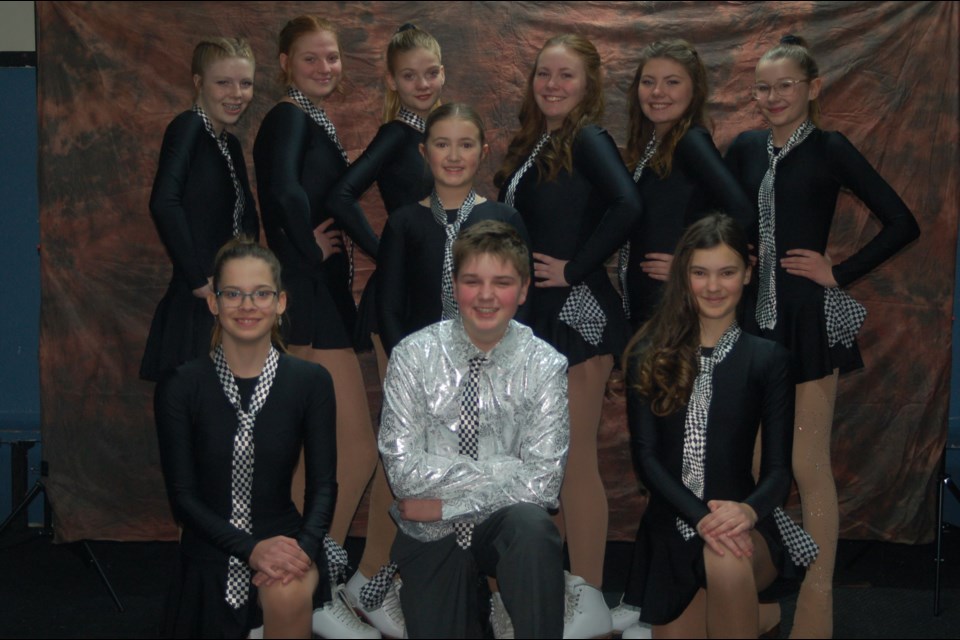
x: 233, y: 298
x: 783, y: 88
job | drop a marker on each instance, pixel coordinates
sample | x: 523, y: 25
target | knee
x: 527, y: 526
x: 288, y: 600
x: 728, y: 573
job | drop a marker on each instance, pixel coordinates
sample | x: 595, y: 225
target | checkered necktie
x: 695, y: 423
x: 766, y: 313
x: 512, y: 187
x: 469, y: 428
x: 450, y: 309
x: 375, y: 591
x: 844, y: 316
x: 320, y: 117
x: 623, y: 259
x: 410, y: 118
x: 241, y: 477
x: 582, y: 313
x: 800, y: 544
x: 239, y: 201
x: 317, y: 115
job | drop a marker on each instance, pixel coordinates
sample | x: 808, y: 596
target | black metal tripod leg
x: 37, y: 488
x: 103, y: 576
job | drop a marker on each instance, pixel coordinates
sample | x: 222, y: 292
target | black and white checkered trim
x: 582, y: 313
x: 844, y: 316
x: 450, y: 309
x: 408, y: 117
x: 766, y: 312
x: 239, y: 202
x: 241, y: 480
x: 623, y: 260
x: 512, y: 187
x: 695, y: 422
x: 469, y: 431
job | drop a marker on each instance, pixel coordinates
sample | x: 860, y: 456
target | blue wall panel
x: 20, y: 269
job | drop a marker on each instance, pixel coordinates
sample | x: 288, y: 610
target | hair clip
x: 406, y: 26
x: 791, y: 39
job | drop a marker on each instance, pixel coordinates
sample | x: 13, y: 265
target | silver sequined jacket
x: 524, y: 425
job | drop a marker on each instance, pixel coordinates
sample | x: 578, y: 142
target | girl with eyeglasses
x: 231, y: 426
x: 794, y: 172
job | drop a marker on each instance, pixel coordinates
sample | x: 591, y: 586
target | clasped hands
x: 727, y: 527
x: 278, y: 560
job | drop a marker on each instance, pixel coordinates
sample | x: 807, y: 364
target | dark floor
x: 50, y: 591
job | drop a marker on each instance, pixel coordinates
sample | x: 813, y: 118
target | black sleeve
x: 643, y: 434
x: 597, y: 157
x: 172, y: 401
x: 250, y: 224
x: 344, y: 200
x: 776, y: 422
x: 697, y: 152
x: 320, y: 459
x: 392, y: 285
x: 899, y: 226
x: 166, y: 199
x: 283, y: 139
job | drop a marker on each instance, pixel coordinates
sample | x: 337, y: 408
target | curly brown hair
x: 664, y: 351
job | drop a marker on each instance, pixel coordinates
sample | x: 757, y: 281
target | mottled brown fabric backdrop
x: 112, y: 75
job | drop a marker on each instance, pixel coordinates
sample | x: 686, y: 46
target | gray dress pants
x: 518, y: 545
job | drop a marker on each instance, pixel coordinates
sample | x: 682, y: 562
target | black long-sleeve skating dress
x: 411, y: 266
x: 583, y: 216
x: 192, y: 206
x: 751, y: 387
x: 699, y: 183
x: 297, y: 164
x: 808, y: 181
x: 196, y: 426
x: 393, y: 161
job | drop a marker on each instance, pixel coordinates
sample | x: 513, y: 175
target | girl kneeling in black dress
x: 231, y: 426
x: 698, y: 388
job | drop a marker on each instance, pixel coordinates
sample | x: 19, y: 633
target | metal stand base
x: 91, y: 559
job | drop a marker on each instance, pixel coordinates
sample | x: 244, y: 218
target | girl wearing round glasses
x: 231, y: 426
x: 201, y: 198
x: 794, y: 172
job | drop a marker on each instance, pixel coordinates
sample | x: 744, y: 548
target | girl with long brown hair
x: 564, y: 175
x: 679, y: 172
x: 698, y: 389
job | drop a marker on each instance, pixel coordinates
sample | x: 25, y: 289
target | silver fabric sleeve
x: 524, y: 425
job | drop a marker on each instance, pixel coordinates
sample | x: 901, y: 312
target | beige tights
x: 818, y: 499
x: 356, y: 444
x: 381, y: 529
x: 583, y: 499
x: 288, y: 608
x: 727, y: 608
